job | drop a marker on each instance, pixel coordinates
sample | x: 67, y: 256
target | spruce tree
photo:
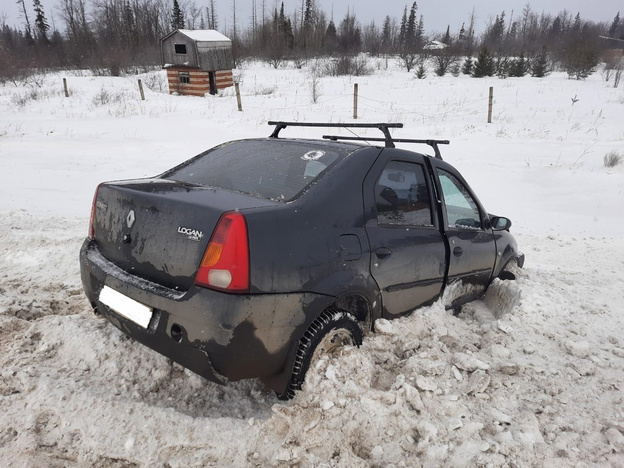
x: 41, y: 23
x: 615, y: 25
x: 177, y: 17
x: 539, y: 67
x: 485, y: 64
x: 410, y: 32
x: 386, y: 35
x: 518, y: 67
x: 447, y: 37
x: 468, y: 66
x: 420, y: 31
x: 421, y: 71
x: 403, y: 29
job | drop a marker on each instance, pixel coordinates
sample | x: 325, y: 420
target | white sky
x: 437, y: 13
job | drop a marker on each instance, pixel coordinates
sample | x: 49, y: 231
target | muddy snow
x: 531, y: 375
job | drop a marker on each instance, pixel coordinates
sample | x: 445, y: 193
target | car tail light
x: 225, y: 265
x: 92, y: 220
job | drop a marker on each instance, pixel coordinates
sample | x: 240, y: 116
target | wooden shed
x: 197, y: 61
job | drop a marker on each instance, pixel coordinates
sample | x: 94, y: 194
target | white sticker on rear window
x: 313, y: 155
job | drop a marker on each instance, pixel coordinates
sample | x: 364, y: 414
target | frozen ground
x: 533, y: 375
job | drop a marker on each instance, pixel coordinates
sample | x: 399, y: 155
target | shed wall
x: 168, y: 50
x: 199, y: 84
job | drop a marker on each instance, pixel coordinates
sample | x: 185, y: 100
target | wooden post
x: 491, y: 101
x: 238, y: 98
x: 65, y: 87
x: 141, y: 91
x: 355, y: 100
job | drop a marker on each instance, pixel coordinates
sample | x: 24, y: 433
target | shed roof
x: 204, y: 35
x: 435, y: 45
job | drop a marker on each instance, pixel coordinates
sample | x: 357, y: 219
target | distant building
x: 435, y: 45
x: 197, y: 61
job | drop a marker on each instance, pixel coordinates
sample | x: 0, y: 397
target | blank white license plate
x: 129, y: 308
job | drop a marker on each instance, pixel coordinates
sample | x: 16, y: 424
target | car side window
x: 461, y: 209
x: 402, y: 197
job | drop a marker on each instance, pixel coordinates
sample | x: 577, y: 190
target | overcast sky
x: 437, y: 13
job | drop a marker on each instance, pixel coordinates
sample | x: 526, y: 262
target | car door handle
x: 383, y: 252
x: 458, y: 251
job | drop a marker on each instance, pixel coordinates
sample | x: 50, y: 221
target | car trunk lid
x: 158, y: 229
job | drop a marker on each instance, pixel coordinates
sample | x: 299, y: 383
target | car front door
x: 408, y: 255
x: 472, y: 251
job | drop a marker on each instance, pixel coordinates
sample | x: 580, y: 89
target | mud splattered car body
x: 241, y: 261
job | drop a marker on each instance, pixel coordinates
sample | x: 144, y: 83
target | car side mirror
x: 500, y: 223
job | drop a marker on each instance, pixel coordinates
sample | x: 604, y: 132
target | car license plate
x: 129, y: 308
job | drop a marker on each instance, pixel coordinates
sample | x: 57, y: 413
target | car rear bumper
x: 217, y: 335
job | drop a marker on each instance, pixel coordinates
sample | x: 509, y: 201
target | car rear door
x: 408, y: 255
x: 471, y: 241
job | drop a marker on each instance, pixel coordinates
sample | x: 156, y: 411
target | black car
x: 251, y: 258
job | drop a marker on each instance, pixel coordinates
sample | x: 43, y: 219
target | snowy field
x: 533, y: 375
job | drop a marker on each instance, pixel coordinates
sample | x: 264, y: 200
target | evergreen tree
x: 455, y: 69
x: 485, y: 64
x: 577, y: 23
x: 410, y: 31
x: 349, y: 34
x: 447, y: 36
x: 331, y: 37
x: 502, y: 67
x: 468, y: 66
x: 284, y: 29
x: 403, y: 29
x: 41, y: 23
x: 556, y: 28
x: 386, y: 34
x: 518, y: 66
x: 539, y: 67
x: 615, y: 25
x: 420, y: 32
x: 177, y: 17
x: 421, y: 71
x: 307, y: 15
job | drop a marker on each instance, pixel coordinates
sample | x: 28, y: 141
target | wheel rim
x: 332, y: 342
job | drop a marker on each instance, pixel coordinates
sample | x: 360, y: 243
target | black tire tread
x: 332, y: 317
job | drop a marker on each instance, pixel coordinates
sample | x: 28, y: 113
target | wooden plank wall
x: 198, y: 86
x: 199, y: 82
x: 224, y: 79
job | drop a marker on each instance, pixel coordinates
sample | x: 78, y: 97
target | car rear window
x: 274, y: 169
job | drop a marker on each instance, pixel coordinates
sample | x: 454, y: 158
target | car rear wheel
x: 326, y: 336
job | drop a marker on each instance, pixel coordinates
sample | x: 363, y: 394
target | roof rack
x: 383, y: 127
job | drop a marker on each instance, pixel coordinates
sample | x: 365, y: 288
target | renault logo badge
x: 130, y: 219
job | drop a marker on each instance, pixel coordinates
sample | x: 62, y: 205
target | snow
x: 204, y: 35
x: 532, y: 375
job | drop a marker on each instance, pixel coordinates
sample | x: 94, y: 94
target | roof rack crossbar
x: 383, y: 127
x: 433, y: 143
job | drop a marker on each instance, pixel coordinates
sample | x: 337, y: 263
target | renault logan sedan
x: 252, y: 258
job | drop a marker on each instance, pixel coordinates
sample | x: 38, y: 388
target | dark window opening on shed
x: 180, y: 49
x: 185, y: 77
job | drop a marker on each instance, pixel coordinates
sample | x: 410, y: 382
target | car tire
x: 332, y: 330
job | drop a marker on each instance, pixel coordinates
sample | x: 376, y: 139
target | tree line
x: 114, y: 35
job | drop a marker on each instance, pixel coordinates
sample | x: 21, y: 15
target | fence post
x: 491, y: 100
x: 141, y: 91
x: 355, y: 100
x: 65, y: 87
x: 238, y: 97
